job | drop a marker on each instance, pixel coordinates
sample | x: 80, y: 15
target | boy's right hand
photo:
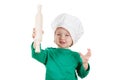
x: 34, y: 34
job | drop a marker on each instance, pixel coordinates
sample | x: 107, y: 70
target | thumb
x: 81, y: 54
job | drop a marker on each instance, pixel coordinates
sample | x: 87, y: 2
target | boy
x: 62, y: 63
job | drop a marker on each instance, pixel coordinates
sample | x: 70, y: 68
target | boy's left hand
x: 85, y: 58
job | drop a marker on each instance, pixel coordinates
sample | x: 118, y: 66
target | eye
x: 58, y: 34
x: 67, y: 35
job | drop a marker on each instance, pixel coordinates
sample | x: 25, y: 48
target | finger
x: 34, y: 30
x: 33, y: 35
x: 88, y: 53
x: 42, y: 32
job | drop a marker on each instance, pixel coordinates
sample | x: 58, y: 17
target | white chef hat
x: 70, y: 23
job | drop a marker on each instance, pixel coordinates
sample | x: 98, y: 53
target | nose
x: 62, y: 36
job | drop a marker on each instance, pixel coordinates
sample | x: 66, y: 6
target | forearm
x: 82, y: 72
x: 41, y: 56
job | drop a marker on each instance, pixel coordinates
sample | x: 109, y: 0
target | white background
x: 101, y: 21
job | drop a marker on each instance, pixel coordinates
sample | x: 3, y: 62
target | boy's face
x: 62, y: 38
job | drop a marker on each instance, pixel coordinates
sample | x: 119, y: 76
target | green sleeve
x: 41, y: 57
x: 81, y: 70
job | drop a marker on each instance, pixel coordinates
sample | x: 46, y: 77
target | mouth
x: 62, y: 42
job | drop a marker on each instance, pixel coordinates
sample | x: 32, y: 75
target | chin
x: 63, y: 46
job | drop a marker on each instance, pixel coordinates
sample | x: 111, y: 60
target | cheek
x: 55, y: 39
x: 70, y: 40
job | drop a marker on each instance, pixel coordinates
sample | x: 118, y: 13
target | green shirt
x: 61, y: 64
